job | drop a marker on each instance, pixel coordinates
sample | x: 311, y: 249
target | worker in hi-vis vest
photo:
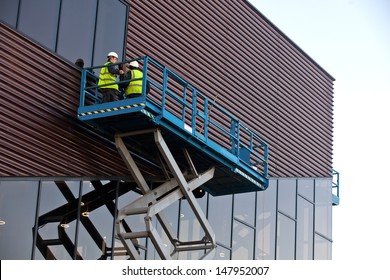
x: 133, y: 81
x: 107, y: 78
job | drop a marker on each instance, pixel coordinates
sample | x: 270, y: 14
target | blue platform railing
x: 335, y: 188
x: 173, y: 102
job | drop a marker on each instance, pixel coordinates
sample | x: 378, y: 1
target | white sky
x: 350, y: 39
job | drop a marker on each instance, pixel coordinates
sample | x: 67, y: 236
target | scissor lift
x: 197, y: 145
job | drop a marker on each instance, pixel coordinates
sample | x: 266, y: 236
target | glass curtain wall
x: 87, y: 29
x: 75, y: 219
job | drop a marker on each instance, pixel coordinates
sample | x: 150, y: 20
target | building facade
x: 51, y: 162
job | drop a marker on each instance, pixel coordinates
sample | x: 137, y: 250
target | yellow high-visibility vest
x: 135, y: 86
x: 106, y: 78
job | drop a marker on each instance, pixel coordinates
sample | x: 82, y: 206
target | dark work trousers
x: 133, y: 95
x: 109, y: 94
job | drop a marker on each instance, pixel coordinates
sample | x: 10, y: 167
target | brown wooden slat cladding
x: 39, y: 132
x: 252, y: 69
x: 226, y: 49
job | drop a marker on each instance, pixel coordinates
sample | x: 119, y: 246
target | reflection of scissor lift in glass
x: 197, y: 144
x: 55, y: 231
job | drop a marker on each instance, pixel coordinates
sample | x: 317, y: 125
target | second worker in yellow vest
x: 133, y: 84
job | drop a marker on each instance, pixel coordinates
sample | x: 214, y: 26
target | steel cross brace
x: 153, y: 202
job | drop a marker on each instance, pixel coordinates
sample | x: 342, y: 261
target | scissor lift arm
x: 154, y: 201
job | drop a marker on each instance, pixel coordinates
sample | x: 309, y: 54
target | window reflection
x: 57, y: 219
x: 190, y: 228
x: 285, y: 239
x: 305, y: 229
x: 87, y: 29
x: 171, y: 218
x: 39, y: 20
x: 220, y: 217
x: 306, y: 188
x: 127, y: 195
x: 287, y: 196
x: 222, y: 253
x: 76, y: 36
x: 243, y: 239
x: 323, y: 207
x: 79, y: 224
x: 110, y: 30
x: 266, y: 217
x: 9, y: 11
x: 97, y: 218
x: 244, y: 207
x: 17, y: 211
x: 322, y: 248
x: 64, y: 248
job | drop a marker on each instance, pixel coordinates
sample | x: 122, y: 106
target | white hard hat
x: 134, y: 64
x: 114, y: 54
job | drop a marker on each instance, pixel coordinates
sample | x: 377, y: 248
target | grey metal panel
x: 235, y: 56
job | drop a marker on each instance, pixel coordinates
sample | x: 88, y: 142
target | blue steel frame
x: 336, y: 187
x: 176, y: 105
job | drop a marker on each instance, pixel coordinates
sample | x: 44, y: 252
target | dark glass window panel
x: 87, y: 29
x: 171, y: 219
x: 60, y: 252
x: 38, y: 255
x: 39, y: 20
x: 110, y: 30
x: 243, y: 242
x: 220, y: 217
x: 306, y: 188
x: 221, y: 253
x: 135, y: 222
x: 77, y: 30
x: 190, y: 228
x: 323, y: 207
x: 58, y: 193
x: 287, y: 196
x: 265, y: 223
x: 285, y: 239
x: 244, y: 207
x: 9, y: 11
x: 57, y: 219
x: 17, y: 216
x: 86, y: 246
x: 322, y: 248
x: 95, y: 234
x: 305, y: 229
